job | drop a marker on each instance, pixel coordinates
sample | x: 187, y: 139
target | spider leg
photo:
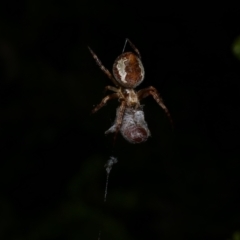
x: 105, y: 70
x: 119, y: 119
x: 111, y: 88
x: 104, y: 101
x: 133, y: 47
x: 153, y: 91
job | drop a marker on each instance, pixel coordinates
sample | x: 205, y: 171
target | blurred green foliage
x: 236, y: 236
x: 236, y: 47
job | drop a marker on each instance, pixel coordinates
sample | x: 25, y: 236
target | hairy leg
x: 104, y: 101
x: 105, y: 70
x: 133, y: 47
x: 154, y: 93
x: 119, y: 118
x: 111, y: 88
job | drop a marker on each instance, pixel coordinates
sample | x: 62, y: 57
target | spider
x: 128, y: 73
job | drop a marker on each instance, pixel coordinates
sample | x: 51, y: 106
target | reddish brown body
x: 128, y: 72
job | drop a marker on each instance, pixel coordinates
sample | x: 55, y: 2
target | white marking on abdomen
x: 141, y: 67
x: 121, y: 69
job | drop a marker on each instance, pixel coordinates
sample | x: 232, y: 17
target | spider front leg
x: 104, y: 101
x: 105, y: 70
x: 133, y: 47
x: 153, y: 91
x: 119, y: 118
x: 111, y: 88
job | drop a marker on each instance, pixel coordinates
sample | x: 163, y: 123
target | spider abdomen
x: 128, y: 70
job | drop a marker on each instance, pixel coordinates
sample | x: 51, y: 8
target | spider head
x: 128, y: 70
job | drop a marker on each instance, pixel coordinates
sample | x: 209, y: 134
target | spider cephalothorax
x: 128, y: 73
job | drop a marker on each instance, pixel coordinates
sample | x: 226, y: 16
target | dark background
x: 181, y: 184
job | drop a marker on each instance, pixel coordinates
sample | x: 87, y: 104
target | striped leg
x: 104, y: 101
x: 119, y: 118
x: 105, y: 70
x: 153, y: 91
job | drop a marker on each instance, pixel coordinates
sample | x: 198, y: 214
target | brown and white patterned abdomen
x: 128, y: 70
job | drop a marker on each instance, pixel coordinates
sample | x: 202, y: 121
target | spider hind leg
x: 143, y: 93
x: 104, y: 101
